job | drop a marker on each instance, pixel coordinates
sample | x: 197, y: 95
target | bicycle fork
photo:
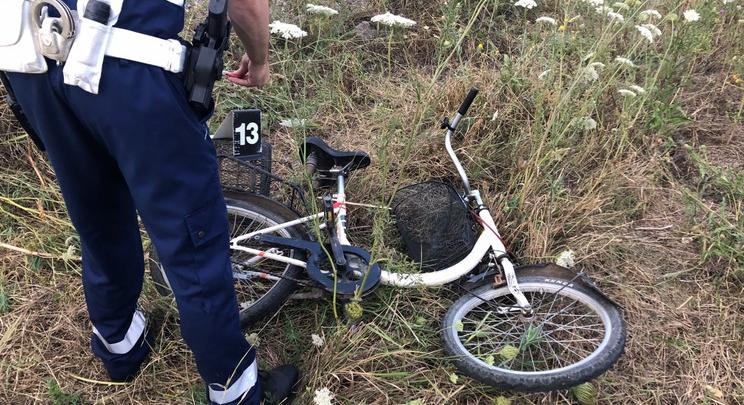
x: 501, y: 257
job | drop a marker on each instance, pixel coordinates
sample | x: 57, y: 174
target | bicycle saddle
x: 327, y: 158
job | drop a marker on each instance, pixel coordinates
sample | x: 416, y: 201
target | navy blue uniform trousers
x: 138, y: 147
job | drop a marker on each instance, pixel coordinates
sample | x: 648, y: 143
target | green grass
x: 59, y: 397
x: 722, y: 236
x: 650, y: 200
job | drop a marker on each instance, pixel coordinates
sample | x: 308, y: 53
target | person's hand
x: 249, y: 74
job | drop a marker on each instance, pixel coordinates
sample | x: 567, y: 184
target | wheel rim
x: 253, y: 281
x: 567, y: 330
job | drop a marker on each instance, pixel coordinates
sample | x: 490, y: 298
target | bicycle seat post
x: 336, y: 222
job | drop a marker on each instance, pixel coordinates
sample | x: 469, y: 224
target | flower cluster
x: 587, y: 124
x: 287, y: 31
x: 567, y: 258
x: 647, y: 14
x: 320, y: 10
x: 646, y: 33
x: 291, y: 31
x: 616, y: 17
x: 318, y: 341
x: 323, y: 396
x: 392, y: 20
x: 691, y: 15
x: 528, y: 4
x: 547, y: 20
x: 624, y: 61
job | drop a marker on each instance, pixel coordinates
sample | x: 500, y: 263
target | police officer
x: 138, y: 147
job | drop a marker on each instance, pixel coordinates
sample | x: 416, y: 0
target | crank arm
x: 315, y: 251
x: 338, y: 252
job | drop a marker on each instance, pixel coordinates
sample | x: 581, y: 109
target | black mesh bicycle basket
x: 255, y: 176
x: 434, y: 223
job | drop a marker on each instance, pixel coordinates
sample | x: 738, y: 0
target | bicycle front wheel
x: 572, y: 336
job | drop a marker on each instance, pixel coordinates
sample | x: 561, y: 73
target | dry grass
x: 648, y: 217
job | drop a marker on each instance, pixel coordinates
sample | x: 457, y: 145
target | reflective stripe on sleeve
x: 176, y: 2
x: 241, y: 386
x: 130, y: 339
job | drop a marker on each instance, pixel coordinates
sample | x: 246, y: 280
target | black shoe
x: 277, y: 383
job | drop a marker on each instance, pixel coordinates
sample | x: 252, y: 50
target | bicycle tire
x: 482, y: 366
x: 272, y: 213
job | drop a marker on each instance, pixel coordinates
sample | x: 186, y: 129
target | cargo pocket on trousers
x: 207, y: 223
x: 208, y: 230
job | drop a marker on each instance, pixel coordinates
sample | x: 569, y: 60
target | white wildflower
x: 616, y: 16
x: 626, y: 93
x: 318, y: 341
x: 543, y: 75
x: 595, y: 3
x: 528, y: 4
x: 293, y: 123
x: 547, y: 20
x: 287, y: 31
x: 621, y: 6
x: 253, y: 339
x: 322, y: 10
x: 624, y: 61
x: 597, y: 65
x: 646, y: 33
x: 654, y: 29
x: 323, y: 396
x: 637, y: 89
x: 691, y: 15
x: 604, y: 10
x: 567, y: 259
x: 392, y: 20
x: 728, y: 1
x: 589, y: 74
x: 587, y: 123
x: 646, y: 14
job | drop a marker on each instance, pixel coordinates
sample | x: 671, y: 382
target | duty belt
x: 56, y: 36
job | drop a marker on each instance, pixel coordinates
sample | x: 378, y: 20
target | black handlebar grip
x: 468, y: 100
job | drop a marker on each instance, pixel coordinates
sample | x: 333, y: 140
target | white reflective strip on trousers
x: 136, y: 328
x: 237, y: 389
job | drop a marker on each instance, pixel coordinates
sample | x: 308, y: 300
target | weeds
x: 59, y: 397
x: 562, y: 159
x: 722, y: 237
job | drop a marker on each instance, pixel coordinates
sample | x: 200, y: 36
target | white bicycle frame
x: 488, y: 241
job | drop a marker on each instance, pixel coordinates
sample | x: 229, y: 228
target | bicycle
x: 514, y: 328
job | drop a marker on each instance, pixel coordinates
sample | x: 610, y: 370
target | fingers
x: 243, y: 69
x: 249, y: 74
x: 240, y: 81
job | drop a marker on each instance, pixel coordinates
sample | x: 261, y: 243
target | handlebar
x: 451, y: 127
x: 468, y: 100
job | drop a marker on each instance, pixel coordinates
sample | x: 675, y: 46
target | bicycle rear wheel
x: 261, y: 286
x: 573, y: 335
